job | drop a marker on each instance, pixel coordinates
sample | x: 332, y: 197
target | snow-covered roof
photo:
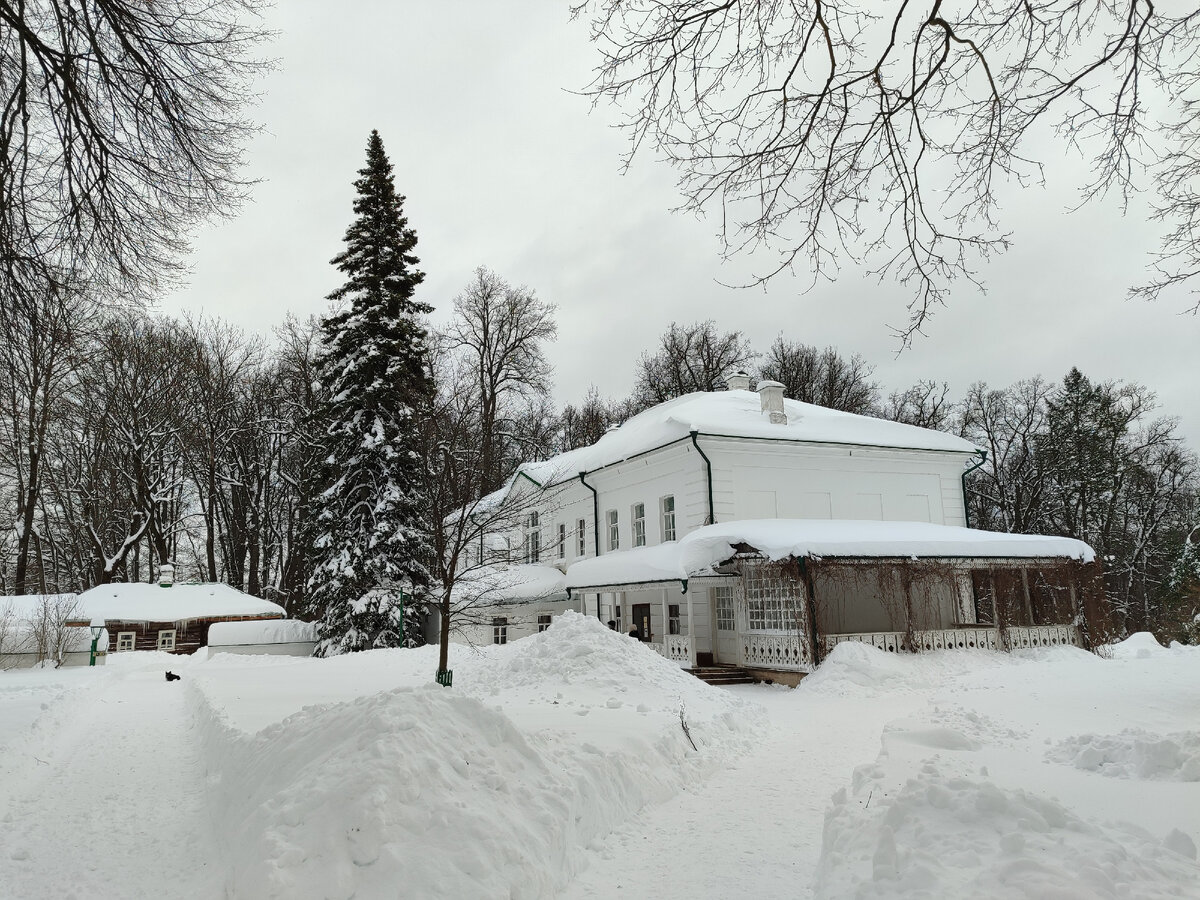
x: 697, y: 553
x: 151, y: 603
x: 508, y: 584
x: 268, y: 631
x: 737, y: 414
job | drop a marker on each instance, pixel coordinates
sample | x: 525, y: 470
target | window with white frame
x: 581, y: 537
x: 500, y: 630
x: 617, y: 617
x: 543, y: 622
x: 614, y: 533
x: 166, y: 639
x: 126, y: 639
x: 562, y: 540
x: 533, y: 538
x: 771, y: 601
x: 667, y: 507
x: 673, y: 618
x: 724, y: 598
x: 638, y: 513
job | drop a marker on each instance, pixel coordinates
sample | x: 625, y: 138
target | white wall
x: 763, y: 479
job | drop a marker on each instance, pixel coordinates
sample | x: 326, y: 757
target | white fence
x: 1019, y: 637
x: 775, y: 650
x: 677, y: 647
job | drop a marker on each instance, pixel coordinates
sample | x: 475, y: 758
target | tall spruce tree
x: 373, y: 375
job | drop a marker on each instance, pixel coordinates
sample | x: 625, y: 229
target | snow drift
x: 428, y: 792
x: 950, y: 836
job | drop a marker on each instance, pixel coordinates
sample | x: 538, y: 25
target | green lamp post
x: 97, y: 629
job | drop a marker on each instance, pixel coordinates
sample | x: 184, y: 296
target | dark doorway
x: 640, y: 620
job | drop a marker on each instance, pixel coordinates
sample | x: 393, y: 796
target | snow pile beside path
x: 960, y: 837
x: 1141, y: 645
x: 853, y: 668
x: 1133, y: 754
x: 428, y: 792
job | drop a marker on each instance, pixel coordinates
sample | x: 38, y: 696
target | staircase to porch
x: 720, y: 675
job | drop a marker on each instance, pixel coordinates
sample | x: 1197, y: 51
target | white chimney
x: 166, y: 575
x: 737, y: 381
x: 770, y: 395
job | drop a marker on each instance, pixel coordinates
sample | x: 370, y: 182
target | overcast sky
x: 503, y: 167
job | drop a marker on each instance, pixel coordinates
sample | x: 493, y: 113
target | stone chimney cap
x: 770, y: 396
x: 737, y: 381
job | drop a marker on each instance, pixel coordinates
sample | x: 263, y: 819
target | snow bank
x: 1140, y: 645
x: 1133, y: 753
x: 267, y: 631
x: 491, y: 789
x: 951, y: 836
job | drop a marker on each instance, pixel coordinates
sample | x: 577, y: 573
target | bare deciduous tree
x: 498, y: 332
x: 119, y: 130
x: 823, y: 377
x: 689, y: 358
x: 880, y: 131
x: 926, y: 404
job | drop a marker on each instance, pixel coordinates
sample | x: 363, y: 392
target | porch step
x: 722, y: 674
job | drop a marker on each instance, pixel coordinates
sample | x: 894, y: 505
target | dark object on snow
x: 612, y: 623
x: 635, y: 634
x: 171, y: 676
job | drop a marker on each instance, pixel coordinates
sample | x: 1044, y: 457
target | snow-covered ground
x: 557, y: 766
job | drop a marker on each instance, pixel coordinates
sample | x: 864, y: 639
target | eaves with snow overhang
x: 700, y: 553
x: 501, y: 584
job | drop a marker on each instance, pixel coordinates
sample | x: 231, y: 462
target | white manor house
x: 741, y: 528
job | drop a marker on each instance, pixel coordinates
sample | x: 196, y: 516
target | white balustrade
x: 1019, y: 637
x: 677, y: 647
x: 775, y: 650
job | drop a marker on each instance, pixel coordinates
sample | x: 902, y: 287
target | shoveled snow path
x: 114, y: 803
x: 755, y: 828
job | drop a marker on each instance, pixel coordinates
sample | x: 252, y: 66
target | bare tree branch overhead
x: 879, y: 132
x: 120, y: 129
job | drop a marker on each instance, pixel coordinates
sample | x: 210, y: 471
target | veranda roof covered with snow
x: 697, y: 553
x: 150, y: 603
x: 267, y: 631
x: 737, y: 414
x: 509, y: 584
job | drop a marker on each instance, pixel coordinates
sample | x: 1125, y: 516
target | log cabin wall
x: 190, y: 634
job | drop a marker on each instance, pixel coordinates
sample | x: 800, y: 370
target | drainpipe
x: 966, y: 505
x: 712, y: 516
x: 595, y: 529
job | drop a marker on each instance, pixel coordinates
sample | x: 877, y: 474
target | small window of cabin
x: 543, y: 622
x: 126, y: 640
x: 500, y: 630
x: 614, y: 533
x: 562, y: 540
x: 166, y: 640
x: 581, y: 537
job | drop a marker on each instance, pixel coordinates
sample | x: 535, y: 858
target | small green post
x: 97, y: 628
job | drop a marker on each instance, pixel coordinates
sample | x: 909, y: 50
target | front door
x: 639, y: 619
x: 724, y: 626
